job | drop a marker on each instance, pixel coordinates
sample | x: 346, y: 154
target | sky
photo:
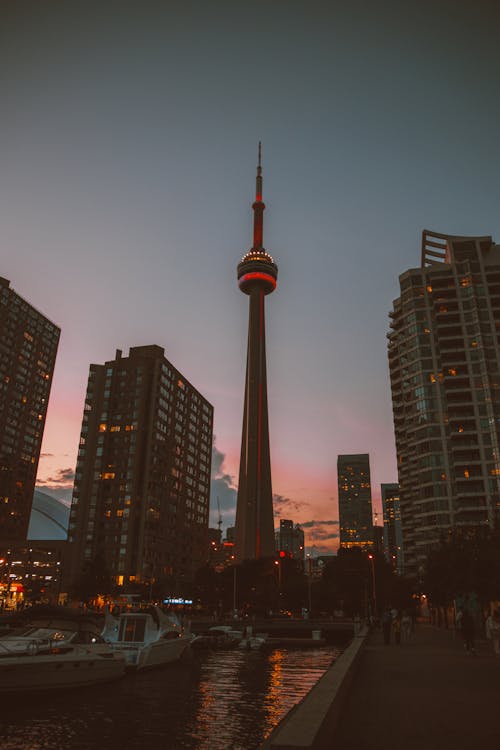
x: 128, y: 149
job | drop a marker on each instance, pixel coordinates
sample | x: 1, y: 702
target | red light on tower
x: 282, y: 553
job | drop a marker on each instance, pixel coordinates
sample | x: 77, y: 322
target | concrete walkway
x: 427, y: 694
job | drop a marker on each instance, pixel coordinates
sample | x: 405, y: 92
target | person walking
x: 396, y: 628
x: 467, y: 627
x: 493, y: 630
x: 406, y: 626
x: 386, y: 625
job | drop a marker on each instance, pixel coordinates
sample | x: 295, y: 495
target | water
x: 220, y: 700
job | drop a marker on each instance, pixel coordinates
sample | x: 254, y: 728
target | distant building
x: 444, y: 361
x: 141, y: 495
x: 28, y: 347
x: 31, y: 572
x: 393, y: 535
x: 355, y: 501
x: 290, y: 539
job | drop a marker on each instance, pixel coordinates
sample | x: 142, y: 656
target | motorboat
x: 218, y: 636
x: 146, y: 637
x: 252, y: 642
x: 53, y: 651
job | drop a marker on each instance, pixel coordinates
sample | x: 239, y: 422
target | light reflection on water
x: 220, y: 700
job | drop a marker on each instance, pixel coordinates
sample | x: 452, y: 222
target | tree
x: 467, y: 560
x: 94, y: 580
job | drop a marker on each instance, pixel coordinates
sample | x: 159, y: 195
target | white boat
x: 218, y: 636
x: 56, y: 652
x: 146, y: 637
x: 253, y: 642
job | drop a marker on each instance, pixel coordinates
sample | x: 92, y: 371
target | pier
x: 426, y: 693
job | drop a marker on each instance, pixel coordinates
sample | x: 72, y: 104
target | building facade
x: 28, y: 348
x: 290, y: 539
x: 355, y: 501
x: 142, y: 485
x: 444, y: 361
x: 257, y: 274
x: 393, y: 535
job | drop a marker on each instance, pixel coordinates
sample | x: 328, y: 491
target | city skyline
x: 127, y: 145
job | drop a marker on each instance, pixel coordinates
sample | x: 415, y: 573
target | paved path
x: 427, y: 694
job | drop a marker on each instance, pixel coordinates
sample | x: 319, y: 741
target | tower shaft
x: 254, y: 512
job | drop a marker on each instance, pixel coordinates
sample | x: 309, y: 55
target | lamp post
x: 371, y: 558
x: 309, y: 582
x: 235, y: 609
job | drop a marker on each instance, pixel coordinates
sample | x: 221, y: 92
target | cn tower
x: 257, y: 274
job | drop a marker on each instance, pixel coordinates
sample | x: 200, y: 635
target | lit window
x: 102, y: 427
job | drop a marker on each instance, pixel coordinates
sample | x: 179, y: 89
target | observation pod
x: 257, y: 270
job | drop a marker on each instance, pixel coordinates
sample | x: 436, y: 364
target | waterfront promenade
x: 426, y: 694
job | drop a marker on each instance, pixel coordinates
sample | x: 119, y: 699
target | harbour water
x: 217, y: 700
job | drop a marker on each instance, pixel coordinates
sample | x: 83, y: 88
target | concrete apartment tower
x: 257, y: 274
x: 444, y: 361
x: 142, y: 485
x: 355, y: 501
x: 28, y: 348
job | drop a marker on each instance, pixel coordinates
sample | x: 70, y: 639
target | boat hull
x: 156, y: 654
x: 56, y: 672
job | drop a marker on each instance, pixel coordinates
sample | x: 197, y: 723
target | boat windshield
x: 132, y: 628
x: 50, y: 634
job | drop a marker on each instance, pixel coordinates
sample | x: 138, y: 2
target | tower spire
x: 258, y: 208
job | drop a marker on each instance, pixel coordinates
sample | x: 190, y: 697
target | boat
x: 56, y: 649
x: 253, y: 642
x: 218, y: 636
x: 146, y: 637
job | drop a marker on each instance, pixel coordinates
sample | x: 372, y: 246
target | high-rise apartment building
x: 393, y: 535
x: 28, y: 347
x: 444, y: 361
x: 290, y: 539
x: 355, y: 501
x: 142, y: 484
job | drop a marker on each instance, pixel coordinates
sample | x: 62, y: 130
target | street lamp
x: 309, y: 587
x: 235, y: 609
x: 371, y: 558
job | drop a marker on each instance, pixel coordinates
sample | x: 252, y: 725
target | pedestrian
x: 493, y: 630
x: 386, y: 626
x: 406, y: 626
x: 396, y: 627
x: 467, y: 627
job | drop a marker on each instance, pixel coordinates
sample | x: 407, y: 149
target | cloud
x: 311, y: 524
x: 285, y: 506
x: 46, y: 455
x: 63, y: 479
x: 223, y: 488
x: 321, y: 536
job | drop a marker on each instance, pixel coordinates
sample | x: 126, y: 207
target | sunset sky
x: 128, y: 147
